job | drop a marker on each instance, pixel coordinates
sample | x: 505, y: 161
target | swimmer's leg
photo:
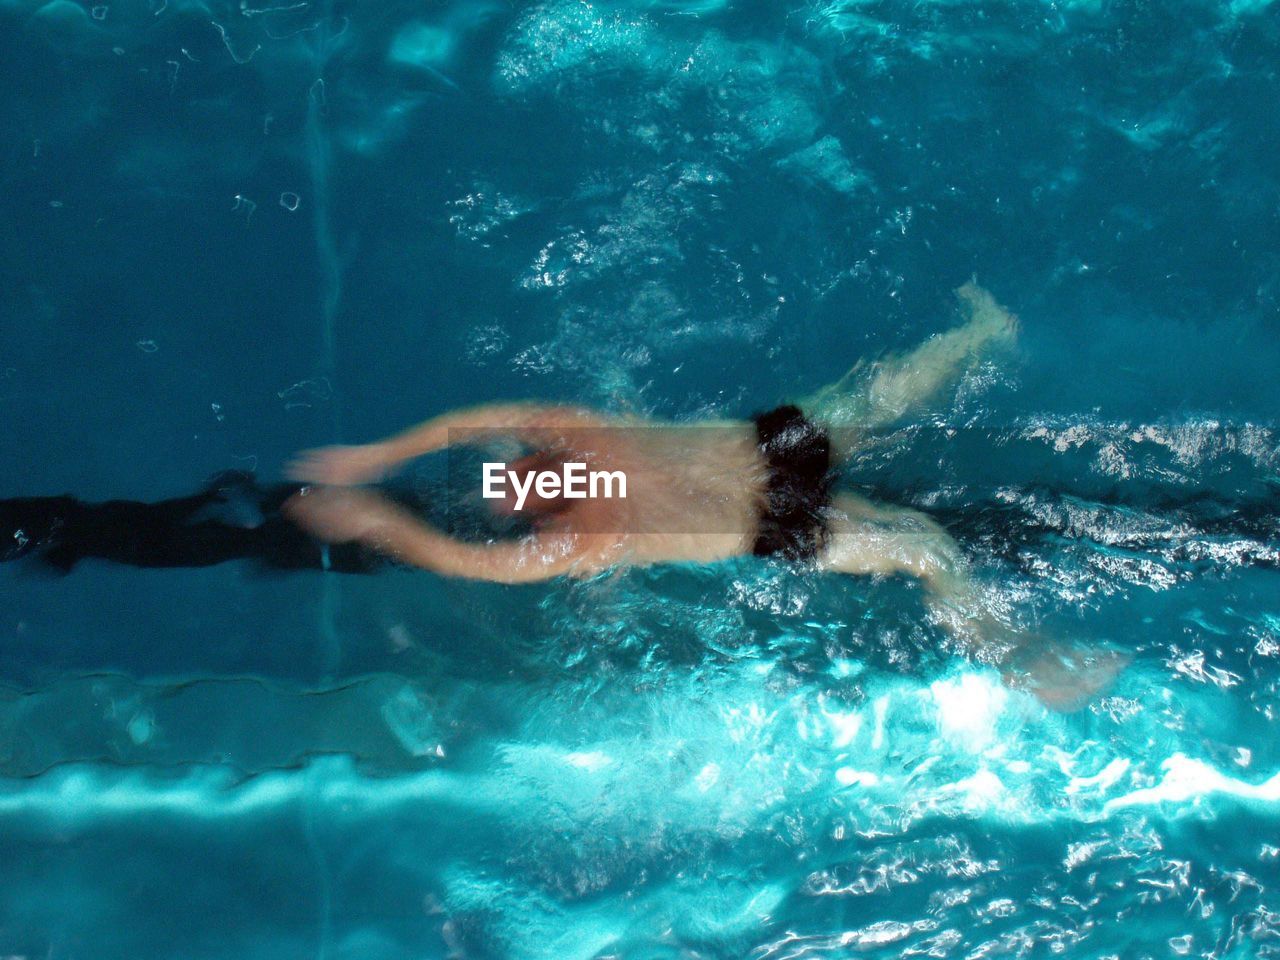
x: 867, y: 538
x: 878, y: 394
x: 903, y: 385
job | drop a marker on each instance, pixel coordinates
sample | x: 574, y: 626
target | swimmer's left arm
x: 345, y: 515
x: 369, y: 462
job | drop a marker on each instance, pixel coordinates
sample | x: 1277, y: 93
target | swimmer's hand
x: 341, y: 466
x: 337, y: 515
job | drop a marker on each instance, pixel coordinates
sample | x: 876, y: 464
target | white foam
x: 1187, y: 780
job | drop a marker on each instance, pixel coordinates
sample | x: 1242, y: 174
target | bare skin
x: 718, y: 475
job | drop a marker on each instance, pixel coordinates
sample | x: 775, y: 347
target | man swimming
x: 763, y: 487
x: 699, y: 493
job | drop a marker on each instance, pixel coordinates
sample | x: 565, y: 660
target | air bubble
x: 245, y: 204
x: 141, y: 728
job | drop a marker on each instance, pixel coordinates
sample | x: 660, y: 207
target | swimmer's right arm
x: 367, y: 463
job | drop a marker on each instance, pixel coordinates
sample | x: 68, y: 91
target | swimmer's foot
x: 1065, y: 678
x: 990, y: 326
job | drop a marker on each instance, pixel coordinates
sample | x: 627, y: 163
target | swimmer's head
x: 534, y: 506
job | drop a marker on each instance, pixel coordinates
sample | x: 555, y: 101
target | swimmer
x: 762, y: 486
x: 698, y: 493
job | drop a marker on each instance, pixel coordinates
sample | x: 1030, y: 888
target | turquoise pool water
x: 234, y: 230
